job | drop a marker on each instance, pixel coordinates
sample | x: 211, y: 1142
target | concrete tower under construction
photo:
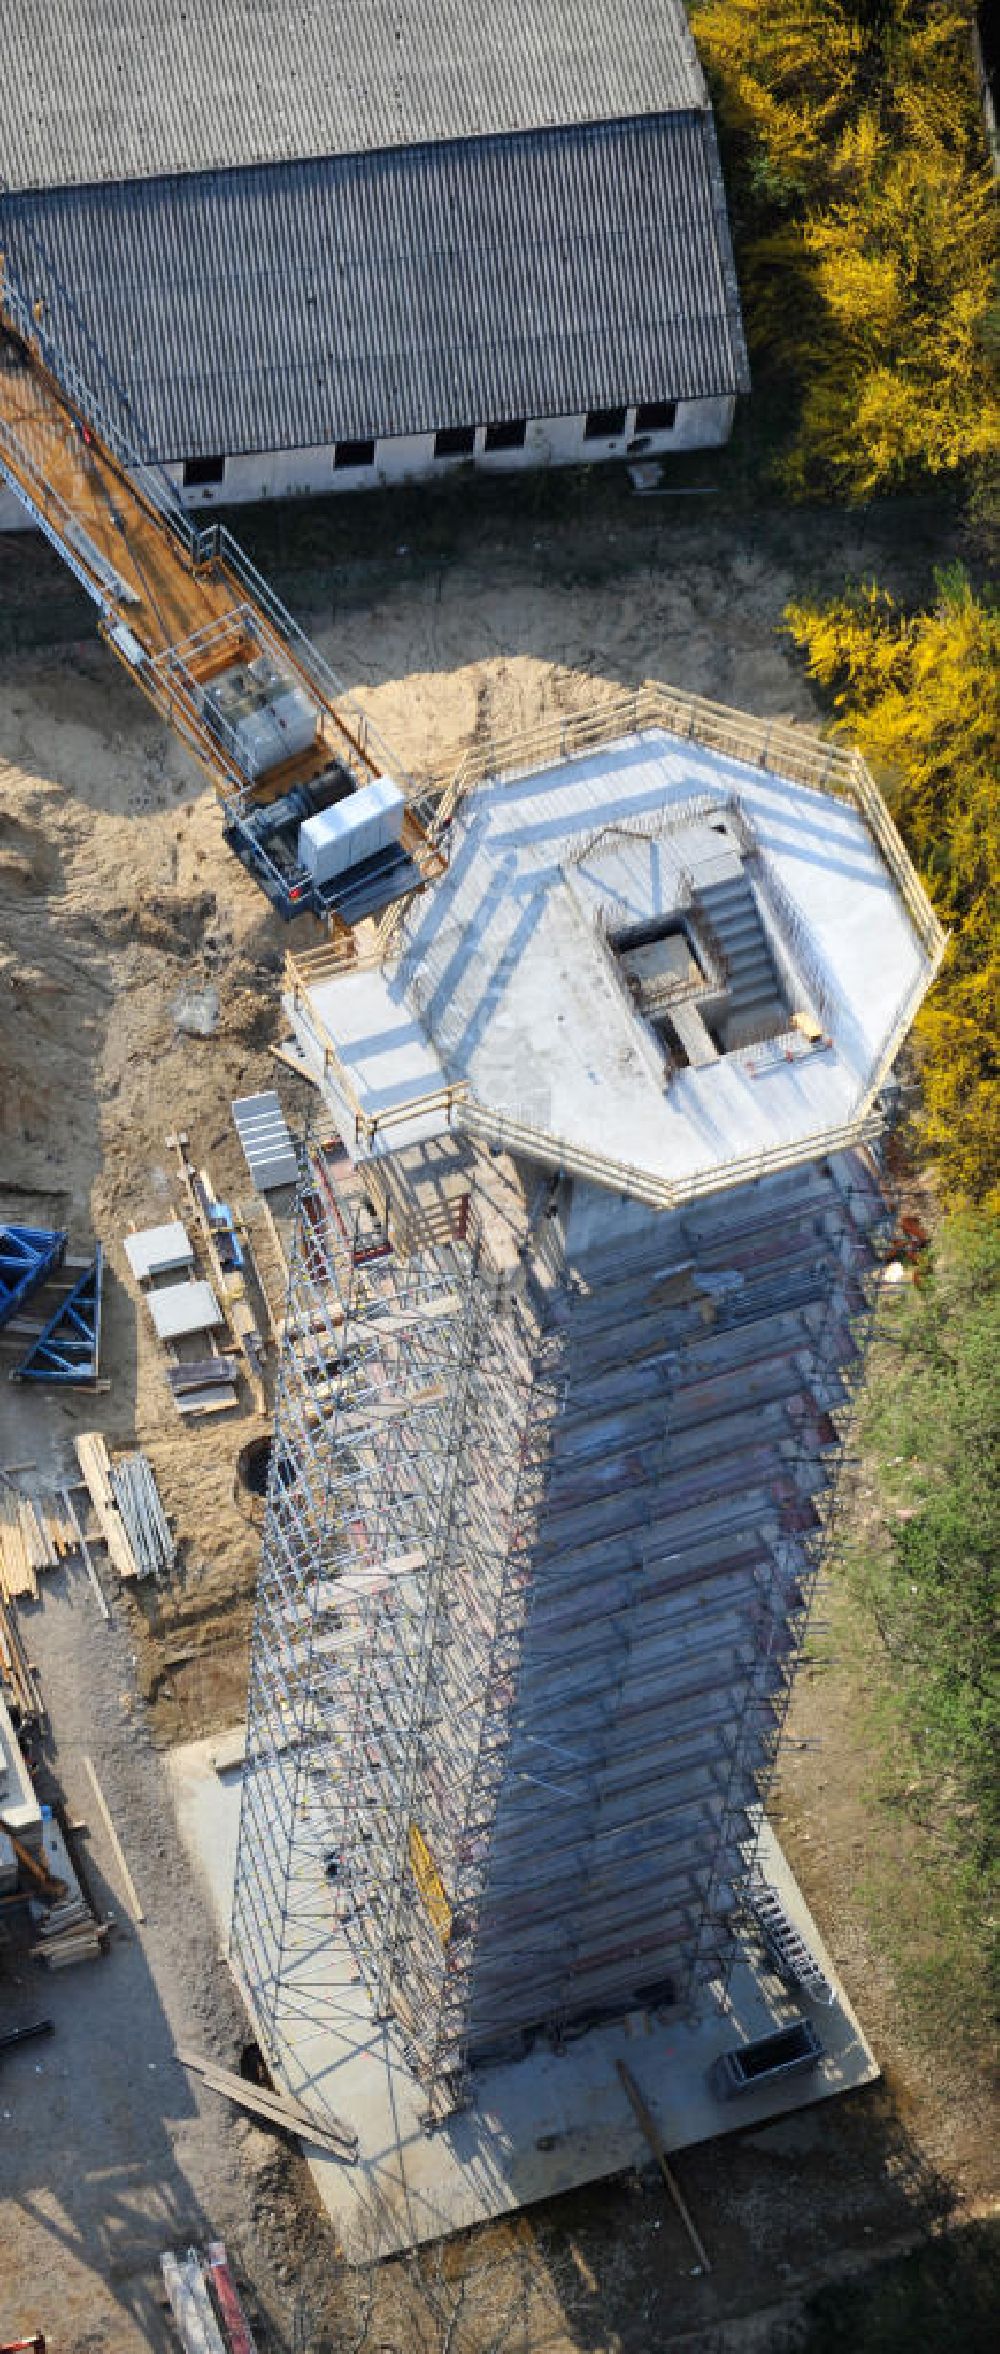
x: 586, y: 1247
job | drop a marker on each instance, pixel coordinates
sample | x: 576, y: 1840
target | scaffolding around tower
x: 364, y: 1408
x: 454, y: 1679
x: 577, y: 1309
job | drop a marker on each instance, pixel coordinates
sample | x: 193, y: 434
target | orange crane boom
x: 196, y: 626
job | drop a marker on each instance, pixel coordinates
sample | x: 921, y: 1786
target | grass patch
x: 916, y: 1620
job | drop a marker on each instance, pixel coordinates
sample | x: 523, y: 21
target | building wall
x: 553, y: 441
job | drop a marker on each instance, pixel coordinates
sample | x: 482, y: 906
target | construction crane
x: 309, y: 803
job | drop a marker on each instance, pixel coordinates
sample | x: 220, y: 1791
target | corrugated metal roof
x: 129, y: 89
x: 287, y: 307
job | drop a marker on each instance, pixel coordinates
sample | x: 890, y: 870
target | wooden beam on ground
x: 279, y: 2109
x: 116, y: 1846
x: 85, y: 1553
x: 651, y: 2133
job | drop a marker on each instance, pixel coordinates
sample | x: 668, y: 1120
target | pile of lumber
x: 66, y: 1929
x: 18, y: 1677
x: 68, y: 1933
x: 95, y: 1464
x: 275, y: 2108
x: 36, y: 1532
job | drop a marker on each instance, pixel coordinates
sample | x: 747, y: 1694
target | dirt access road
x: 476, y: 610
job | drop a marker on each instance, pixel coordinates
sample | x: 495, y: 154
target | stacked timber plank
x: 36, y: 1533
x: 66, y: 1931
x: 95, y: 1465
x: 19, y: 1685
x: 274, y: 2107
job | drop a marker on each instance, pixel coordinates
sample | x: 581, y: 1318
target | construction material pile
x: 205, y: 2302
x: 37, y: 1531
x: 143, y: 1517
x: 127, y: 1508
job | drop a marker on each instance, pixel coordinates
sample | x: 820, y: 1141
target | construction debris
x: 36, y: 1533
x: 52, y: 1888
x: 227, y: 1252
x: 66, y: 1929
x: 86, y: 1556
x: 67, y: 1934
x: 270, y: 1262
x: 19, y: 1687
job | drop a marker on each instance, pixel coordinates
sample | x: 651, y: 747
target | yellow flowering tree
x: 868, y: 224
x: 921, y: 695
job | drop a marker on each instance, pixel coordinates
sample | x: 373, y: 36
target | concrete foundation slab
x: 547, y: 2124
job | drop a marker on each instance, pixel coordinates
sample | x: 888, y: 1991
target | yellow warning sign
x: 430, y: 1883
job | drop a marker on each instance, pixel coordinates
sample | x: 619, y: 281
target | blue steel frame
x: 69, y: 1349
x: 27, y: 1255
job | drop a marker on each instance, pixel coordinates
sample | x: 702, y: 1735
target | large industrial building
x: 585, y: 1260
x: 300, y: 247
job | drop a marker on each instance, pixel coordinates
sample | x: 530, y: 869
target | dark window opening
x: 353, y: 453
x: 199, y: 472
x: 660, y: 951
x: 508, y: 436
x: 604, y: 424
x: 455, y: 441
x: 655, y: 416
x: 676, y: 1050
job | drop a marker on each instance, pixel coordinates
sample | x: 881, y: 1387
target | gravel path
x: 108, y: 2153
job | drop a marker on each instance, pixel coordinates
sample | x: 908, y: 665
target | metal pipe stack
x: 138, y: 1499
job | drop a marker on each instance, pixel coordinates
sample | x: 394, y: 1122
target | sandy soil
x: 117, y: 896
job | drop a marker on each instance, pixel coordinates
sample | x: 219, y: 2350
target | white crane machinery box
x: 353, y: 830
